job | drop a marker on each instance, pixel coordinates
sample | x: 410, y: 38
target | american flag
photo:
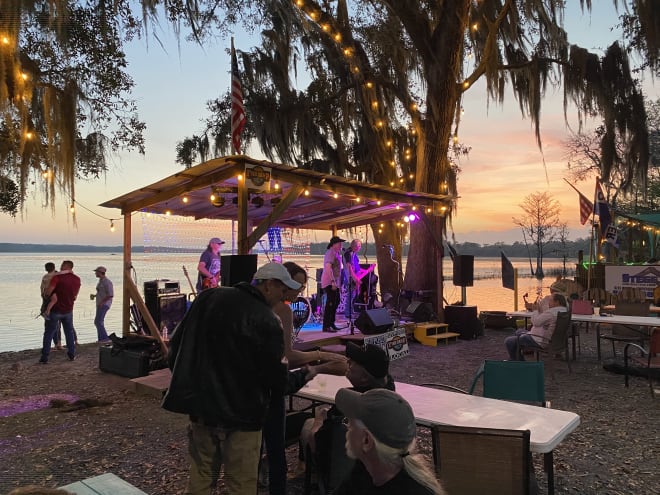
x: 586, y: 208
x: 238, y: 118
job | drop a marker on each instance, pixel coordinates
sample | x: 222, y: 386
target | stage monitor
x: 421, y: 311
x: 374, y: 321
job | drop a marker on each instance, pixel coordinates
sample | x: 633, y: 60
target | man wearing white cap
x: 208, y: 267
x: 104, y: 295
x: 381, y: 436
x: 226, y: 357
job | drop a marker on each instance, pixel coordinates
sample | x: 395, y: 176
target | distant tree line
x: 555, y: 249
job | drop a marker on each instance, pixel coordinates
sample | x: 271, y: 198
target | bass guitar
x: 192, y: 287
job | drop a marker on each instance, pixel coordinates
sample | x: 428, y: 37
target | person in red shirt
x: 65, y: 285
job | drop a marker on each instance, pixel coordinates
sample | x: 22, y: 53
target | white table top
x: 648, y: 321
x: 432, y: 406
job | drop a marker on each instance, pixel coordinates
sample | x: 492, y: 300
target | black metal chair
x: 625, y: 333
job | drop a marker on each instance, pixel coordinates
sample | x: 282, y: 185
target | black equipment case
x: 132, y: 356
x: 130, y: 363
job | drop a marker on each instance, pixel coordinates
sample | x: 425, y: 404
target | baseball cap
x: 386, y: 414
x: 276, y: 271
x: 100, y: 269
x: 371, y: 357
x: 334, y: 240
x: 216, y: 240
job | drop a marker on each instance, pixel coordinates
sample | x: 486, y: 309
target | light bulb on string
x: 112, y: 225
x: 72, y: 208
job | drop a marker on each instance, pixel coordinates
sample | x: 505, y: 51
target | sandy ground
x: 615, y: 450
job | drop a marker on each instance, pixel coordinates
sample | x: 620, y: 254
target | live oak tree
x: 625, y: 192
x: 387, y: 83
x: 64, y: 95
x: 540, y: 223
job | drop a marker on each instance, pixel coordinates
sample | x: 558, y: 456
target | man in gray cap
x: 381, y: 436
x: 103, y: 296
x: 208, y: 267
x: 226, y: 357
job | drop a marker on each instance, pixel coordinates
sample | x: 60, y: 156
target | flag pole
x: 515, y: 289
x: 591, y: 242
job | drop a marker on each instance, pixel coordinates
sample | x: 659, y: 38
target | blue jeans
x: 514, y: 342
x: 99, y: 322
x: 66, y: 320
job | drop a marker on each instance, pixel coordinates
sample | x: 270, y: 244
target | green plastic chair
x: 522, y: 381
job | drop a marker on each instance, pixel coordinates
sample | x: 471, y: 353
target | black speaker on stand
x: 374, y: 321
x: 464, y: 270
x: 235, y: 268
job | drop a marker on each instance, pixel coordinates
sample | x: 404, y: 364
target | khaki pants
x: 209, y: 448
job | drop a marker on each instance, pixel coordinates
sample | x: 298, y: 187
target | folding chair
x: 512, y: 380
x: 558, y: 344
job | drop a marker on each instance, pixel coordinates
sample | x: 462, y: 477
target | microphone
x: 388, y: 246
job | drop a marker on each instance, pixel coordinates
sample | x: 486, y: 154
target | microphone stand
x: 261, y: 243
x: 399, y: 275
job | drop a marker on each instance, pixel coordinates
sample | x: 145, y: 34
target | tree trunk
x: 443, y: 70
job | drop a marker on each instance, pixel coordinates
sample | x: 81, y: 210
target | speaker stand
x: 350, y: 308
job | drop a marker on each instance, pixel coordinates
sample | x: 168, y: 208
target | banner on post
x: 393, y: 342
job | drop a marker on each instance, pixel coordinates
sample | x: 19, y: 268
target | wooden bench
x: 104, y: 484
x: 430, y: 333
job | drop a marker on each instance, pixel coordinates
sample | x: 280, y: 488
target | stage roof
x: 304, y: 198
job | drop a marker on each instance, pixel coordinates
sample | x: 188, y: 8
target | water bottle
x: 164, y: 332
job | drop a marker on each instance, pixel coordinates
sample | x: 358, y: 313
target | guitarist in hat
x: 354, y: 273
x: 208, y: 267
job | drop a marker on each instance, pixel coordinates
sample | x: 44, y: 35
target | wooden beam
x: 199, y: 182
x: 146, y: 316
x: 293, y: 194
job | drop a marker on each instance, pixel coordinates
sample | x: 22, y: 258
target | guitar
x: 192, y: 287
x: 210, y: 282
x: 362, y: 272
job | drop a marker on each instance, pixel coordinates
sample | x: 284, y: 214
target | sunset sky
x: 172, y: 89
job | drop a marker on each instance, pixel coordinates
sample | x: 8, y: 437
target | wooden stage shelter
x: 259, y: 195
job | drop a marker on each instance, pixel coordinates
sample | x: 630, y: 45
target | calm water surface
x: 20, y: 273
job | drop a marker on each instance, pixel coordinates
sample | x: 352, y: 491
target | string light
x: 185, y: 199
x: 72, y: 208
x: 112, y: 225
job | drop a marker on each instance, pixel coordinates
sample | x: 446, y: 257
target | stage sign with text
x: 257, y: 178
x: 643, y: 277
x: 394, y: 342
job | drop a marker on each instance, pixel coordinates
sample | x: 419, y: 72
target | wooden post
x: 126, y: 301
x: 515, y: 289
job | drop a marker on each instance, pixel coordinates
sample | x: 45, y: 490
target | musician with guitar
x: 209, y: 265
x: 354, y: 274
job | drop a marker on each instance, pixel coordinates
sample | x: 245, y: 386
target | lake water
x: 20, y: 273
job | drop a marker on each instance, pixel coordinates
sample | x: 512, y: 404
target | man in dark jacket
x: 226, y: 358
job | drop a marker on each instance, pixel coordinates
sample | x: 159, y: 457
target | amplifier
x: 166, y: 309
x: 161, y: 286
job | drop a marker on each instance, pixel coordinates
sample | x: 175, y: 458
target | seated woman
x: 543, y: 326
